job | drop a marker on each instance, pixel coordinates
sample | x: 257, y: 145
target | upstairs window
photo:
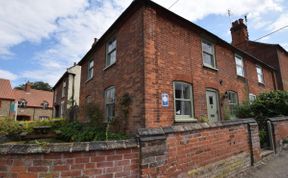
x: 233, y: 102
x: 63, y: 89
x: 90, y: 69
x: 110, y: 103
x: 183, y: 102
x: 239, y: 65
x: 45, y: 105
x: 22, y: 103
x: 208, y: 54
x: 111, y: 52
x: 260, y: 74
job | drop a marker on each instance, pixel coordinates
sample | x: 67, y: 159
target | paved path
x: 275, y: 168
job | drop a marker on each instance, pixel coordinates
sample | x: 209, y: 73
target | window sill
x: 210, y: 68
x: 107, y: 67
x: 261, y: 84
x: 242, y: 78
x: 179, y: 120
x: 88, y: 80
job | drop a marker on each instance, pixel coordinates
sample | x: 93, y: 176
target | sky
x: 40, y: 39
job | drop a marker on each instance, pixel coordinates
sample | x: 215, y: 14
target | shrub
x: 9, y: 126
x: 80, y: 132
x: 27, y: 126
x: 244, y: 111
x: 271, y: 104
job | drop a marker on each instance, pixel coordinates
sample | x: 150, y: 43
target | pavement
x: 277, y: 167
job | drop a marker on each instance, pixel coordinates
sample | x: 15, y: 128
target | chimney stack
x: 239, y: 33
x: 28, y: 87
x: 95, y: 41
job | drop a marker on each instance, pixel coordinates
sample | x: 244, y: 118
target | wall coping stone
x: 67, y: 147
x: 278, y: 119
x: 187, y: 127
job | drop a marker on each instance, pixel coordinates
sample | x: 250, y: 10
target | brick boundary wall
x: 221, y: 149
x: 93, y: 159
x: 279, y: 132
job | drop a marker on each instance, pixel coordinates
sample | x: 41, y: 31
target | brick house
x: 66, y: 91
x: 272, y: 54
x: 174, y: 71
x: 33, y: 104
x: 6, y: 98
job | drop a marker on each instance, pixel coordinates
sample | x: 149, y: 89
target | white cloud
x: 32, y: 20
x: 280, y: 22
x: 7, y: 75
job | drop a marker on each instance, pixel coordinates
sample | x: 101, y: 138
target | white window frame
x: 109, y: 116
x: 62, y: 109
x: 260, y: 75
x: 208, y: 53
x: 178, y: 117
x: 63, y: 88
x: 232, y: 104
x: 252, y: 98
x: 237, y: 57
x: 90, y: 71
x: 22, y: 103
x: 110, y: 51
x: 45, y: 105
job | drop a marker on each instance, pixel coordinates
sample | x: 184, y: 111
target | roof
x: 136, y: 4
x: 62, y: 77
x: 269, y: 44
x: 6, y: 89
x: 34, y: 97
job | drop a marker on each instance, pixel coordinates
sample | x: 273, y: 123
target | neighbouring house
x: 6, y: 99
x: 272, y: 54
x: 33, y: 104
x: 66, y: 92
x: 173, y: 70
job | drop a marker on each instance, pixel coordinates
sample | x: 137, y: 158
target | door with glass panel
x: 212, y: 105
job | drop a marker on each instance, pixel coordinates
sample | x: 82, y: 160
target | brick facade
x: 5, y: 106
x: 272, y: 54
x: 35, y: 113
x: 156, y: 47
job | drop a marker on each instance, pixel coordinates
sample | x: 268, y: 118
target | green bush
x: 266, y: 105
x: 80, y: 132
x: 9, y: 126
x: 55, y: 123
x: 244, y: 111
x: 271, y: 104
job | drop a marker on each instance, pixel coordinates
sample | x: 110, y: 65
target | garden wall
x: 186, y: 150
x: 199, y: 150
x: 99, y: 159
x: 279, y: 132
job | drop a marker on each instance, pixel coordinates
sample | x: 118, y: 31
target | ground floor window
x: 183, y: 101
x: 110, y: 103
x: 252, y: 98
x: 233, y: 102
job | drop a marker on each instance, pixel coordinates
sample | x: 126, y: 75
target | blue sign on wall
x: 165, y: 99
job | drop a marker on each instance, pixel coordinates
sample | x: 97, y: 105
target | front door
x: 212, y: 105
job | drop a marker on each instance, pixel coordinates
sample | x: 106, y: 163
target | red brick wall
x: 173, y: 52
x: 280, y: 134
x: 113, y: 163
x: 126, y: 74
x: 199, y: 150
x: 283, y: 63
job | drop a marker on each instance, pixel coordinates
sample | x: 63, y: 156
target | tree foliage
x: 39, y: 85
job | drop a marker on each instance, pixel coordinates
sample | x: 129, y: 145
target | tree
x: 39, y: 85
